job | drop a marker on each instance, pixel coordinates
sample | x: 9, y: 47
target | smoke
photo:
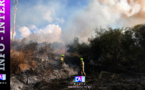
x: 32, y: 27
x: 47, y: 16
x: 63, y: 73
x: 25, y: 32
x: 60, y: 20
x: 104, y: 13
x: 50, y: 33
x: 131, y: 11
x: 69, y: 70
x: 82, y: 24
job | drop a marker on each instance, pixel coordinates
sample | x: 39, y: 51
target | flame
x: 63, y: 51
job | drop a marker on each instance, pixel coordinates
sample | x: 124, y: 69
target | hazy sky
x: 38, y: 14
x: 62, y: 20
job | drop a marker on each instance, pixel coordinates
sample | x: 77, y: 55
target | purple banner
x: 5, y: 44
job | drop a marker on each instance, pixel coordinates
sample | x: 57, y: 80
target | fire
x: 63, y: 51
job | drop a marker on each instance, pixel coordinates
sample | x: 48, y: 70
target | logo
x: 79, y: 78
x: 2, y: 76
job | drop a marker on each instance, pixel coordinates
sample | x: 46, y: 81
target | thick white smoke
x: 25, y: 32
x: 50, y: 33
x: 104, y: 13
x: 98, y: 13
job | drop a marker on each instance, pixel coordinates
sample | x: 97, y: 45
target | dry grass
x: 21, y: 61
x: 28, y: 56
x: 16, y: 59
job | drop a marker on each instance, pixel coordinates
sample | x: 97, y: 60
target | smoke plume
x: 98, y: 13
x: 104, y: 13
x: 25, y: 32
x: 50, y: 33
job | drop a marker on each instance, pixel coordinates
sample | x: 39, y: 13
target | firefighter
x: 62, y: 59
x: 82, y: 67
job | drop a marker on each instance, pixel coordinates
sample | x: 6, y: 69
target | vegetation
x: 31, y: 54
x: 113, y: 50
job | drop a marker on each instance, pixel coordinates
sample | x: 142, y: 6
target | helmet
x: 62, y: 55
x: 81, y: 58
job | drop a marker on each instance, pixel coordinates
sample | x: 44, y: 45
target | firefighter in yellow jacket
x: 62, y: 59
x: 82, y: 67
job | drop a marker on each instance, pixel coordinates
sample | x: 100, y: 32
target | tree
x: 115, y: 50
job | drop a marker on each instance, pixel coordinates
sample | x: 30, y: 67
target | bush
x: 114, y: 50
